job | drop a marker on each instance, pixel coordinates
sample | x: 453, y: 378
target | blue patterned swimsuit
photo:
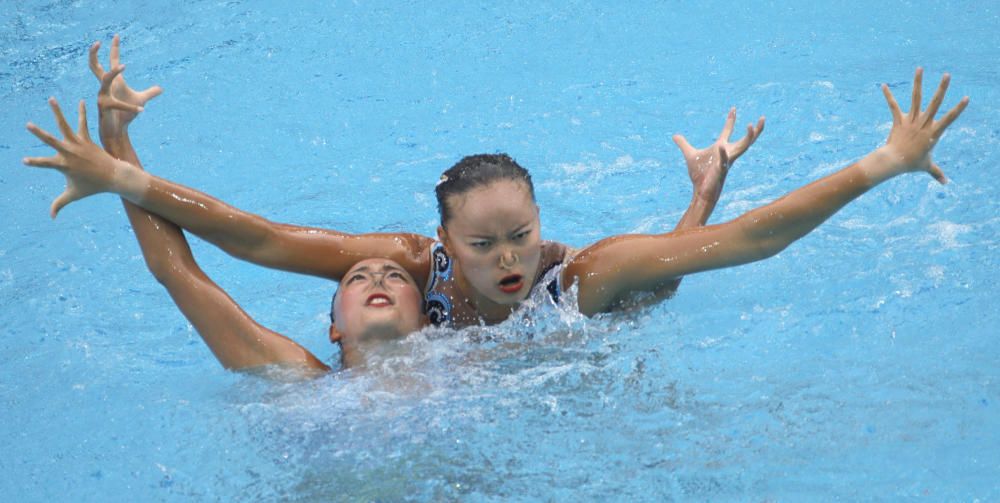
x: 442, y: 290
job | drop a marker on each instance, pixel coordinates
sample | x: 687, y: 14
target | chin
x: 382, y: 331
x: 510, y: 299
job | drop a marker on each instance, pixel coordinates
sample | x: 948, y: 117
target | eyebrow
x: 385, y: 268
x: 517, y: 229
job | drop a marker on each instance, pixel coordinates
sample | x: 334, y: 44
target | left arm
x: 707, y: 169
x: 613, y: 269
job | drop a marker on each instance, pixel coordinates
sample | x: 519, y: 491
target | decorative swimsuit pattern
x: 441, y: 287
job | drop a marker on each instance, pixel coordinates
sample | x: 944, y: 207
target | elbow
x: 769, y: 246
x: 166, y: 267
x: 762, y: 241
x: 254, y: 245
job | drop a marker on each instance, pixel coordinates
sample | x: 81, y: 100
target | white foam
x: 947, y: 233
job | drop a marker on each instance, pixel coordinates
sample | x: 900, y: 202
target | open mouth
x: 512, y: 283
x: 378, y: 300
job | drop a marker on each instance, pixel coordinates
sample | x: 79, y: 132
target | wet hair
x: 333, y: 303
x: 476, y: 171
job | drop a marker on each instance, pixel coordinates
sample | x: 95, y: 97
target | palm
x: 87, y: 168
x: 117, y: 102
x: 709, y: 166
x: 914, y: 134
x: 121, y: 92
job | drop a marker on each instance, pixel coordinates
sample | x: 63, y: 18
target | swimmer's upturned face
x: 494, y: 237
x: 377, y: 299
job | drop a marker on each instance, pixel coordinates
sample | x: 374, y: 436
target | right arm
x: 306, y: 250
x: 237, y: 341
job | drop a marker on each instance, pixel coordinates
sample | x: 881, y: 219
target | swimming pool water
x: 860, y: 363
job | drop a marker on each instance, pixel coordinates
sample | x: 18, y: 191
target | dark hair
x: 333, y: 303
x: 477, y: 171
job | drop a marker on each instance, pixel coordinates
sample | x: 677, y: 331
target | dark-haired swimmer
x: 378, y: 301
x: 493, y: 255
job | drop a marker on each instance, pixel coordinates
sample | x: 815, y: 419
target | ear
x: 335, y: 334
x: 443, y: 238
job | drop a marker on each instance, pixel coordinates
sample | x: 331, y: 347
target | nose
x: 378, y: 279
x: 508, y: 259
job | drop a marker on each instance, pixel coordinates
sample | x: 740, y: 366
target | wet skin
x: 377, y: 300
x: 494, y: 238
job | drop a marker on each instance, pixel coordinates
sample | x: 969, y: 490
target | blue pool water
x: 859, y: 364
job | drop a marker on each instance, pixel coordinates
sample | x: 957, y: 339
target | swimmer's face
x: 377, y: 299
x: 494, y: 237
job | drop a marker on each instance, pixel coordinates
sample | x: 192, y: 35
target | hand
x: 117, y: 103
x: 87, y: 167
x: 914, y: 135
x: 709, y: 166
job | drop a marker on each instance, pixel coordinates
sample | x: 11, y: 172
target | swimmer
x: 489, y: 256
x: 378, y: 301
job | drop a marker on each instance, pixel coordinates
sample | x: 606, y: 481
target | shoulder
x: 555, y: 253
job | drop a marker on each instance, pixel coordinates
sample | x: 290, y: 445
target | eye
x: 396, y: 275
x: 521, y: 235
x: 481, y: 244
x: 355, y: 277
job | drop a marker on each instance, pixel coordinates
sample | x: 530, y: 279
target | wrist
x: 882, y: 164
x: 128, y: 181
x: 120, y: 147
x: 113, y: 136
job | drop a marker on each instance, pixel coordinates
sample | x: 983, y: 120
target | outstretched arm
x: 244, y: 235
x: 611, y: 270
x: 707, y: 169
x: 233, y: 336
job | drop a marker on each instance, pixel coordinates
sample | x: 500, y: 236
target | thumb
x: 148, y: 94
x: 938, y: 174
x: 60, y: 202
x: 682, y: 143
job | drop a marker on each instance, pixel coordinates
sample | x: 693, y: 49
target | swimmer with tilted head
x: 489, y: 255
x: 377, y: 302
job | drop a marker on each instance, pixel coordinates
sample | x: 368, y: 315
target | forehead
x: 502, y: 201
x: 379, y: 265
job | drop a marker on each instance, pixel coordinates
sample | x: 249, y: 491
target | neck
x: 351, y: 356
x: 356, y: 352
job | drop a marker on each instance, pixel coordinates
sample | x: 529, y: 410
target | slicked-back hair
x: 477, y: 171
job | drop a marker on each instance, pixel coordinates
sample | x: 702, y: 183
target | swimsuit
x: 442, y: 290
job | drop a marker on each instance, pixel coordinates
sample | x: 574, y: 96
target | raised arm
x: 244, y: 235
x: 609, y: 272
x: 233, y: 336
x: 236, y: 340
x: 707, y: 169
